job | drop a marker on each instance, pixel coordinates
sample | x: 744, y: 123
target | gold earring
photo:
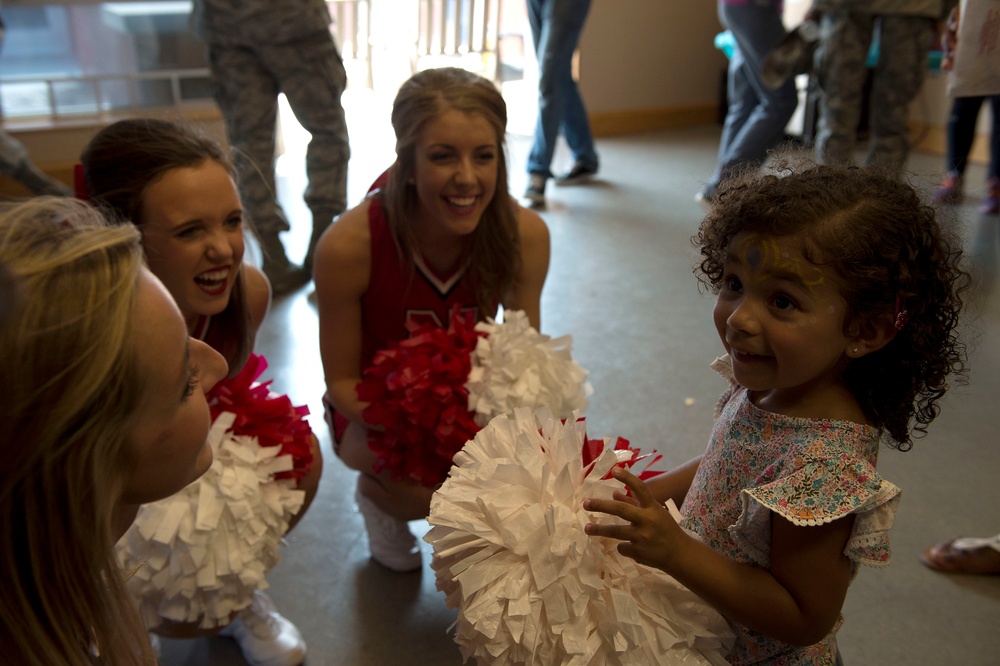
x: 855, y: 350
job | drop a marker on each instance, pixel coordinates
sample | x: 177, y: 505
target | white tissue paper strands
x: 514, y: 365
x: 199, y: 555
x: 530, y: 586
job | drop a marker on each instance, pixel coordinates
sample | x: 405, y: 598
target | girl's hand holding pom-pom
x: 511, y: 554
x: 652, y: 532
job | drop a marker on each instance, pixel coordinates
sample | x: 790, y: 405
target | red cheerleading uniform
x: 400, y: 292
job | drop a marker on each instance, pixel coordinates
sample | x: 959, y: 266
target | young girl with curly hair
x: 838, y: 303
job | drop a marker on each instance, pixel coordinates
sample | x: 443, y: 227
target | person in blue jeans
x: 555, y: 30
x: 757, y: 115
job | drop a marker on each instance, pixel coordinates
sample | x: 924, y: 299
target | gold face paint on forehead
x: 765, y: 258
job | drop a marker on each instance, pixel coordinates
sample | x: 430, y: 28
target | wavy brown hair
x: 70, y: 389
x: 124, y: 158
x: 494, y: 245
x: 886, y: 246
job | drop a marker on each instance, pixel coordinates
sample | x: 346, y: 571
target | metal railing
x: 66, y: 96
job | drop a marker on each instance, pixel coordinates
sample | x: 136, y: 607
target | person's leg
x: 384, y: 504
x: 569, y: 17
x: 247, y: 95
x: 312, y: 76
x: 840, y: 74
x: 561, y: 24
x: 991, y: 204
x: 759, y: 114
x: 741, y: 102
x: 961, y: 131
x: 994, y: 164
x: 904, y: 42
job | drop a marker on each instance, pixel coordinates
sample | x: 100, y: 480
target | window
x: 86, y: 58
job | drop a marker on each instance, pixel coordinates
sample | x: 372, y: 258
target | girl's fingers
x: 638, y: 488
x: 610, y: 507
x: 620, y: 532
x: 622, y: 497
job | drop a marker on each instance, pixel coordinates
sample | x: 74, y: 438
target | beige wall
x: 650, y: 63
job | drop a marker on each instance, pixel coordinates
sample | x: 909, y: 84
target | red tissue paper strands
x: 417, y: 397
x: 269, y: 417
x: 627, y: 456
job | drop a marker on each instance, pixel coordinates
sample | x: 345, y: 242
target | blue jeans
x: 757, y: 115
x: 555, y: 30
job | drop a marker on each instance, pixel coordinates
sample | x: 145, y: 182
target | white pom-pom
x: 199, y: 555
x: 516, y: 366
x: 531, y: 587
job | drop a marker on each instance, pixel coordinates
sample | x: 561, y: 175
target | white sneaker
x: 265, y: 637
x: 389, y: 539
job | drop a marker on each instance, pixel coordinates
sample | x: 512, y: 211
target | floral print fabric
x: 809, y: 471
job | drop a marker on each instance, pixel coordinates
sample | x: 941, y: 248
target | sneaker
x: 578, y: 174
x: 389, y: 539
x: 535, y: 194
x: 265, y: 637
x: 950, y: 191
x: 991, y: 204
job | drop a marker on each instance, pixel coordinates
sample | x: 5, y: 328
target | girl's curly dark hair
x: 886, y: 246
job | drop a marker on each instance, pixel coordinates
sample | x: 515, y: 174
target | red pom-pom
x: 592, y: 448
x: 269, y: 417
x: 418, y: 400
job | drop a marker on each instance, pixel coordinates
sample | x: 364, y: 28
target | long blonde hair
x: 70, y: 387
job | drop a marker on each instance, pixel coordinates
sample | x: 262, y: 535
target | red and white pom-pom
x: 429, y: 394
x: 514, y: 365
x: 416, y: 394
x: 199, y: 555
x: 266, y: 416
x: 530, y: 586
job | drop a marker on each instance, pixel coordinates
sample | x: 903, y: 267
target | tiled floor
x: 621, y: 284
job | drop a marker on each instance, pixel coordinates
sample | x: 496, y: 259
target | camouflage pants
x: 845, y: 39
x: 246, y: 80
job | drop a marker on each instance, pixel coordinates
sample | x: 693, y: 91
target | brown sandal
x: 966, y: 556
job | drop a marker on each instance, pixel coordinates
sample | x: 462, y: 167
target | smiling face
x: 781, y: 318
x: 192, y: 234
x: 455, y: 174
x: 167, y: 439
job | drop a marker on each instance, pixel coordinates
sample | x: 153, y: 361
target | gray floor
x: 621, y: 284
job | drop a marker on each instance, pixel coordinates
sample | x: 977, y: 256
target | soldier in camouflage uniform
x: 256, y: 49
x: 906, y: 31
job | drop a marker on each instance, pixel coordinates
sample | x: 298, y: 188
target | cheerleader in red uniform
x: 438, y: 232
